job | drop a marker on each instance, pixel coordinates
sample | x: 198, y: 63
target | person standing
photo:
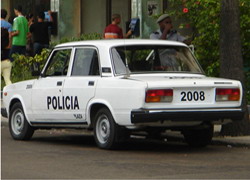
x: 6, y: 65
x: 5, y: 24
x: 29, y: 46
x: 40, y: 32
x: 166, y: 31
x: 19, y: 34
x: 113, y: 31
x: 30, y: 18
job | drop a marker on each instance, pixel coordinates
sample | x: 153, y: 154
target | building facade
x: 76, y: 17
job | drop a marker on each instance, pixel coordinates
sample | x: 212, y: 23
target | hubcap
x: 17, y: 122
x: 103, y: 129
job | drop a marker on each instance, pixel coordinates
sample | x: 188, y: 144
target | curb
x: 230, y: 143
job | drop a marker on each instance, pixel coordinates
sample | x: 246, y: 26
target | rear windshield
x: 150, y: 59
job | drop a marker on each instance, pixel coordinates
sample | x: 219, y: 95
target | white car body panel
x: 74, y: 96
x: 129, y: 91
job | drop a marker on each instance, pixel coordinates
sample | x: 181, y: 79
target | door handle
x: 59, y: 83
x: 91, y: 83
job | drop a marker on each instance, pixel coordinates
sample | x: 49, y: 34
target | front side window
x: 59, y: 63
x: 85, y: 62
x: 147, y: 58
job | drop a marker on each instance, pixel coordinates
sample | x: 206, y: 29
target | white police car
x: 118, y: 87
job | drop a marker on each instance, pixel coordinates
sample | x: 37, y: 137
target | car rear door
x: 80, y: 86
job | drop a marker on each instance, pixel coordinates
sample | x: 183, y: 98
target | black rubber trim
x: 144, y: 116
x: 57, y: 123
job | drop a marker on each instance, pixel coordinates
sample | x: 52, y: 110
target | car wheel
x: 105, y: 129
x: 199, y: 137
x: 18, y: 125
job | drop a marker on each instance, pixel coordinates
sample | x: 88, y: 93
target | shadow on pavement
x: 169, y: 144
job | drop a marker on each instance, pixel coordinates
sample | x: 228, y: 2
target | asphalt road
x: 61, y: 154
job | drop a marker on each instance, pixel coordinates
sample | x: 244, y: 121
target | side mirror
x: 35, y: 69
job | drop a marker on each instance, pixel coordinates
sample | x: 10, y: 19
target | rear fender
x: 102, y: 103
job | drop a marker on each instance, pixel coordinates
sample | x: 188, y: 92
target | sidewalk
x: 238, y: 141
x: 230, y: 141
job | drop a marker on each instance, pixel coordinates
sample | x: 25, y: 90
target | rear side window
x: 85, y: 62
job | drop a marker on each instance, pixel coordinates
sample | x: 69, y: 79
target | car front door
x: 47, y: 101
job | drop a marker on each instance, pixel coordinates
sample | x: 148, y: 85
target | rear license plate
x: 193, y: 96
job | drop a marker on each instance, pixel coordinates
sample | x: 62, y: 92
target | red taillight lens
x: 159, y: 95
x: 227, y: 94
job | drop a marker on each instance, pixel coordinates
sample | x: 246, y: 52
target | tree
x: 231, y: 60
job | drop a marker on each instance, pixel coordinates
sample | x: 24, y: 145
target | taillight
x: 159, y: 95
x: 227, y: 94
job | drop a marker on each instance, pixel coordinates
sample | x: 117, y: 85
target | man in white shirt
x: 166, y: 31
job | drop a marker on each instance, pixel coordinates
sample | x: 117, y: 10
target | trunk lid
x: 189, y: 90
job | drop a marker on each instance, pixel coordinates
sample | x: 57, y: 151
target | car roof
x: 120, y: 42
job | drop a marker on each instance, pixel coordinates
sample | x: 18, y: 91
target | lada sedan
x: 120, y: 87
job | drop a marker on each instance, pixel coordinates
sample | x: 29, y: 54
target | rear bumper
x: 145, y: 115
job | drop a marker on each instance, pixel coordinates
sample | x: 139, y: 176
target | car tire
x: 18, y: 125
x: 105, y: 130
x: 199, y: 137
